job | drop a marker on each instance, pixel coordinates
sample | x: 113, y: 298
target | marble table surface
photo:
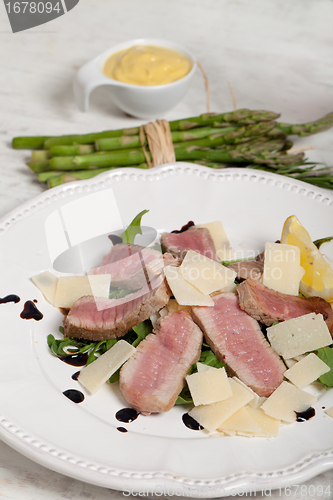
x: 274, y: 55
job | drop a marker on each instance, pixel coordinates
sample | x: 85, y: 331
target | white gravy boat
x: 136, y: 100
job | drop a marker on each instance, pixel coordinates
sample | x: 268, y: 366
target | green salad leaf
x: 208, y: 358
x: 118, y: 293
x: 184, y: 398
x: 319, y: 242
x: 141, y: 331
x: 227, y: 262
x: 73, y: 347
x: 128, y: 236
x: 326, y: 355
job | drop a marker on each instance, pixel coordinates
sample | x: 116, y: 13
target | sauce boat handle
x: 87, y: 78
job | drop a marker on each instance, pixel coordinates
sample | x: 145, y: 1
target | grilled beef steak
x: 247, y: 269
x: 237, y: 340
x: 267, y: 305
x: 130, y: 266
x: 195, y: 238
x: 152, y: 378
x: 100, y: 319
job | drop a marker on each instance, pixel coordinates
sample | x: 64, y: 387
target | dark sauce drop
x: 30, y: 311
x: 122, y: 429
x: 76, y: 360
x: 10, y: 298
x: 184, y: 228
x: 74, y: 395
x: 63, y: 310
x: 127, y: 415
x: 75, y: 375
x: 35, y: 301
x: 302, y: 416
x: 115, y: 239
x: 191, y: 423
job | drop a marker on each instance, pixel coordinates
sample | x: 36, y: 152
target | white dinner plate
x: 158, y: 453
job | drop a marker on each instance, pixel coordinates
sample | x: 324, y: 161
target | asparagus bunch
x: 246, y: 138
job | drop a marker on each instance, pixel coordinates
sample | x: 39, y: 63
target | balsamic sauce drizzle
x: 74, y: 395
x: 75, y: 359
x: 10, y: 298
x: 184, y: 228
x: 30, y: 311
x: 191, y: 423
x: 302, y: 416
x: 122, y: 429
x: 115, y: 239
x: 75, y: 375
x: 127, y: 415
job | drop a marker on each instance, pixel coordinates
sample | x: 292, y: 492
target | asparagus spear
x: 258, y: 145
x: 40, y: 155
x: 104, y: 159
x: 127, y: 142
x: 242, y: 134
x: 33, y: 142
x: 45, y: 176
x: 101, y: 159
x: 310, y: 128
x: 37, y: 142
x: 72, y: 150
x: 39, y: 166
x: 234, y: 156
x: 240, y: 117
x: 322, y: 177
x: 63, y: 177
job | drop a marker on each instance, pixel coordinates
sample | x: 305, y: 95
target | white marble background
x: 276, y: 55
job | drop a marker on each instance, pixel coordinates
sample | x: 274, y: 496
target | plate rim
x: 14, y: 436
x: 106, y: 179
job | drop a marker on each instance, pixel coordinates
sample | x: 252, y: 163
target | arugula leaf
x: 184, y: 398
x: 141, y: 331
x: 208, y: 358
x: 326, y: 355
x: 319, y: 242
x: 118, y: 293
x: 72, y: 347
x: 115, y: 377
x: 138, y: 333
x: 227, y: 262
x: 134, y: 228
x: 68, y: 346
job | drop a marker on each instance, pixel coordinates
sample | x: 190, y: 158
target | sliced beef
x: 194, y: 238
x: 130, y: 266
x: 248, y: 269
x: 100, y: 319
x: 267, y: 305
x: 237, y: 340
x: 261, y: 256
x: 152, y: 378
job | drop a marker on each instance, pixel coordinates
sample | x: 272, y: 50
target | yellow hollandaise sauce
x: 147, y: 65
